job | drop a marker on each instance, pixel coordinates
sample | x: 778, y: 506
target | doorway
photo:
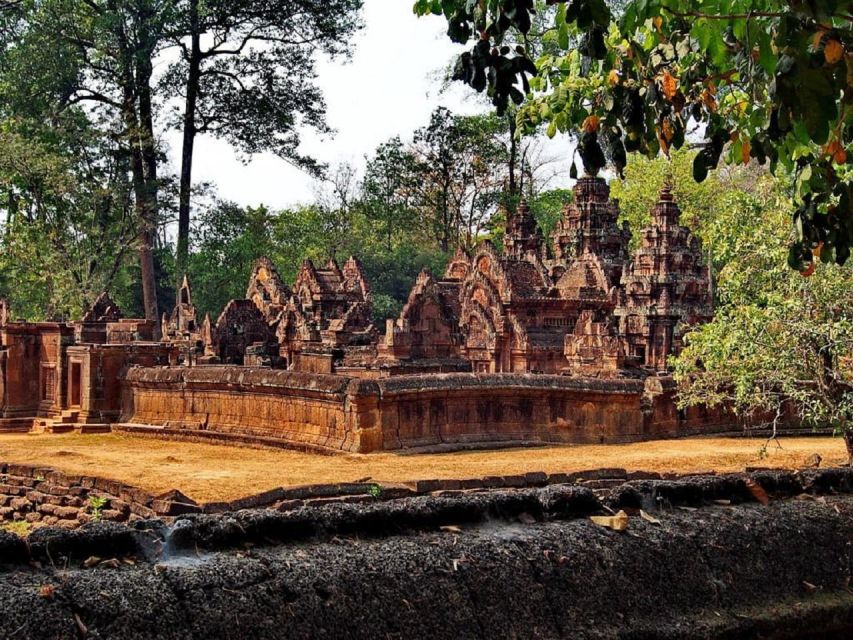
x: 76, y: 383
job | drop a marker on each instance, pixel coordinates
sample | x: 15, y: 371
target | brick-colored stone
x: 66, y: 513
x: 21, y: 504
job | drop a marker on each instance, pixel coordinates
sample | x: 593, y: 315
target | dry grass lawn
x: 212, y: 472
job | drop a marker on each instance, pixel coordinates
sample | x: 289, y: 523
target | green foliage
x: 547, y: 207
x: 229, y: 239
x: 21, y: 529
x: 375, y: 491
x: 69, y: 225
x: 96, y: 507
x: 731, y: 201
x: 385, y: 307
x: 767, y: 80
x: 388, y: 189
x: 777, y: 335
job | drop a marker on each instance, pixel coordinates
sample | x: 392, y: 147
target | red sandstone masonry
x: 447, y: 410
x: 303, y: 409
x: 39, y: 495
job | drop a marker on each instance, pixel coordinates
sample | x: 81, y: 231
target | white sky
x: 389, y: 88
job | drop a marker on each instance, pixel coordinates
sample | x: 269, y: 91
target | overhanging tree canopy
x: 755, y: 79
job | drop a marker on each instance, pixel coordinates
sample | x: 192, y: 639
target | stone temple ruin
x: 564, y: 341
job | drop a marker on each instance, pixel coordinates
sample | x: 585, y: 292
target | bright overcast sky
x: 389, y: 88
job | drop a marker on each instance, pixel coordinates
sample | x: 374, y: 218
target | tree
x: 69, y: 222
x: 229, y: 240
x: 779, y: 344
x: 765, y: 80
x: 246, y: 72
x: 388, y: 188
x: 708, y: 208
x: 328, y: 224
x: 460, y: 175
x: 57, y: 55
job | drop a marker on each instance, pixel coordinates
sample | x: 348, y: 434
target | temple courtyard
x: 209, y: 473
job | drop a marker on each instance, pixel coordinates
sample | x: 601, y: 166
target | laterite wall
x: 340, y: 413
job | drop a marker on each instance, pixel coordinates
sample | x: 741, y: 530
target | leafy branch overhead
x: 765, y: 80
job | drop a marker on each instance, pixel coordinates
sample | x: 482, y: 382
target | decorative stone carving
x: 267, y: 290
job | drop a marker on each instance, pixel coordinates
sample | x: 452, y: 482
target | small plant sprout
x: 96, y: 507
x: 375, y: 490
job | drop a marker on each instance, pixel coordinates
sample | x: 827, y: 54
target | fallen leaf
x: 450, y: 528
x: 46, y: 591
x: 710, y: 101
x: 723, y: 503
x: 649, y: 518
x: 112, y: 563
x: 91, y: 561
x: 757, y: 491
x: 619, y: 522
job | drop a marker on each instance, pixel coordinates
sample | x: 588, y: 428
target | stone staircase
x: 67, y: 422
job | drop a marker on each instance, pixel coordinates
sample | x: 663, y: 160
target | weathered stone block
x: 21, y: 504
x: 111, y: 487
x: 290, y: 505
x: 111, y: 515
x: 66, y: 513
x: 516, y: 482
x: 536, y: 478
x: 35, y: 496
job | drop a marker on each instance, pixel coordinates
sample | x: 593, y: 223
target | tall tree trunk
x: 193, y: 81
x: 146, y: 231
x: 148, y: 149
x: 848, y: 441
x: 513, y: 156
x: 145, y: 205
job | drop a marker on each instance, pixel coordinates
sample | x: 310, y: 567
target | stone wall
x: 44, y: 496
x: 456, y: 409
x: 333, y: 412
x: 311, y: 410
